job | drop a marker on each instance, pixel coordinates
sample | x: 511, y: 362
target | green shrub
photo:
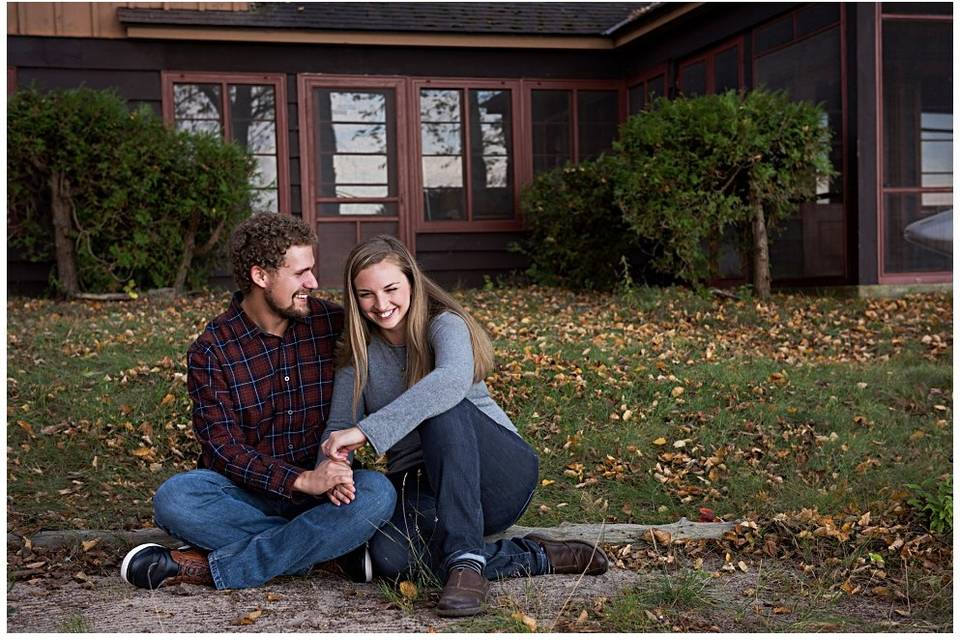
x: 690, y: 167
x: 135, y: 201
x: 935, y: 504
x: 577, y: 236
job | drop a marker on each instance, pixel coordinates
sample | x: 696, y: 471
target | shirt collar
x: 249, y: 326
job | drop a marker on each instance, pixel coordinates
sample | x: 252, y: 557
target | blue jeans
x: 477, y: 479
x: 254, y: 536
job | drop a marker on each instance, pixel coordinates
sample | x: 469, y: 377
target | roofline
x: 645, y: 22
x: 367, y: 38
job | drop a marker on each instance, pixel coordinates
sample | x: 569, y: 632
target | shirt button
x: 290, y: 446
x: 289, y: 412
x: 286, y: 378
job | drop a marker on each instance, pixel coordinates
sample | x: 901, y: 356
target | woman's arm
x: 438, y: 391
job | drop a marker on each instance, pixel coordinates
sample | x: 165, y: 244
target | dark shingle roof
x: 540, y: 18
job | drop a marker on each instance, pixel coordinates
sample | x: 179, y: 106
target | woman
x: 410, y: 383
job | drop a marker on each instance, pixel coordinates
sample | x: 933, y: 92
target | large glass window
x: 917, y: 152
x: 570, y: 125
x: 715, y: 71
x: 356, y: 167
x: 240, y: 109
x: 467, y: 154
x: 812, y: 243
x: 644, y: 91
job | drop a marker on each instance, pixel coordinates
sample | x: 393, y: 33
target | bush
x: 115, y: 196
x: 692, y: 166
x: 577, y: 236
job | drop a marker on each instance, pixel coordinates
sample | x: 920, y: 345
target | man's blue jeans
x: 253, y: 537
x: 477, y: 479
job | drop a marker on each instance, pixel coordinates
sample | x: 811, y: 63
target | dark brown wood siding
x: 463, y: 259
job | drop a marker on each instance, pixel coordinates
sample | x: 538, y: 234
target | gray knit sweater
x: 389, y: 413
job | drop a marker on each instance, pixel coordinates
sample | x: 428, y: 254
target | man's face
x: 288, y: 287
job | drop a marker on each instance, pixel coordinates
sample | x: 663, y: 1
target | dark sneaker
x: 463, y: 594
x: 355, y: 566
x: 151, y: 566
x: 572, y: 556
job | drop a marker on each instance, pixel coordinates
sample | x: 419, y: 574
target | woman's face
x: 383, y: 295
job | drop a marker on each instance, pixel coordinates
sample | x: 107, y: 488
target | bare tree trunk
x: 190, y: 251
x: 62, y: 211
x: 761, y: 252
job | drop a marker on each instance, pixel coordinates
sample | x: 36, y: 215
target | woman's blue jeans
x: 253, y: 536
x: 477, y: 478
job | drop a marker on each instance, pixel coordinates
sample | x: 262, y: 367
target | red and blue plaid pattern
x: 260, y: 402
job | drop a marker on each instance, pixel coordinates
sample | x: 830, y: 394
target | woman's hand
x: 342, y: 494
x: 340, y: 443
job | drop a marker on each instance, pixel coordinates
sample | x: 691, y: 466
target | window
x: 811, y: 244
x: 467, y: 154
x: 715, y: 71
x: 916, y: 105
x: 572, y: 121
x: 643, y: 90
x: 247, y: 109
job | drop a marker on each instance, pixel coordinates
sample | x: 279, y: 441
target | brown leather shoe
x: 194, y: 568
x: 463, y: 594
x: 572, y: 556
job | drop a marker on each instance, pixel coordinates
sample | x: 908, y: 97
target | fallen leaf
x: 546, y: 483
x: 525, y: 620
x: 782, y: 610
x: 742, y: 565
x: 677, y: 392
x: 582, y: 617
x: 273, y: 597
x: 679, y: 444
x: 408, y: 590
x: 660, y: 441
x: 167, y: 399
x: 89, y: 544
x: 249, y: 618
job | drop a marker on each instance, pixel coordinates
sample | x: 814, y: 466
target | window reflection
x: 441, y: 138
x: 552, y: 144
x: 355, y: 149
x: 491, y: 162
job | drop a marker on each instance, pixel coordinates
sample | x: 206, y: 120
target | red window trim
x: 883, y: 277
x: 278, y: 80
x: 306, y: 82
x: 644, y: 78
x: 420, y: 225
x: 530, y: 85
x: 708, y: 58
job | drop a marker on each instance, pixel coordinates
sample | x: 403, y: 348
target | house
x: 424, y: 120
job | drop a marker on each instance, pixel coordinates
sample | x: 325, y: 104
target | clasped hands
x: 333, y: 476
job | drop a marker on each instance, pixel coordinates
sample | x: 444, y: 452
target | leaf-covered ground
x: 822, y: 425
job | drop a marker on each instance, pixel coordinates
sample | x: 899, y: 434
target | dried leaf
x: 660, y: 441
x: 525, y: 620
x: 546, y: 483
x: 742, y: 565
x: 582, y: 617
x: 677, y: 392
x: 167, y: 399
x: 408, y: 590
x: 249, y: 618
x: 89, y: 544
x: 273, y: 597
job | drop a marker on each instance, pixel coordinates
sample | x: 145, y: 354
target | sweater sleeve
x: 341, y: 406
x: 438, y: 391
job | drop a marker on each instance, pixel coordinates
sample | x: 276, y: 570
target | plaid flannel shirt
x: 260, y: 402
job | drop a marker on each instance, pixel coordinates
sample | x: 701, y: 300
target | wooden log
x: 683, y: 529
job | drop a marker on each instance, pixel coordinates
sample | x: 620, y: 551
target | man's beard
x: 290, y: 312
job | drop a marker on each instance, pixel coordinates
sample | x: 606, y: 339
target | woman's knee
x: 450, y: 424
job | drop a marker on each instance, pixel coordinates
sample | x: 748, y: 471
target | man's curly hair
x: 262, y: 240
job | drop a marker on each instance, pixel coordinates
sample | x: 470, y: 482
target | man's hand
x: 340, y: 443
x: 342, y: 494
x: 328, y: 475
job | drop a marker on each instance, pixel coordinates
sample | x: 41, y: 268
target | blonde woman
x: 410, y: 383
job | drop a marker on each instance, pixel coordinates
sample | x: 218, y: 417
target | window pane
x: 199, y: 126
x: 265, y: 200
x: 491, y: 163
x: 917, y: 104
x: 265, y: 174
x: 726, y: 70
x: 196, y: 102
x: 357, y: 209
x: 816, y: 16
x: 775, y: 34
x: 441, y: 105
x: 444, y: 197
x: 440, y: 139
x: 256, y: 136
x: 355, y: 142
x: 552, y: 145
x: 443, y: 194
x: 693, y: 79
x: 252, y: 102
x: 918, y: 234
x: 598, y: 115
x: 655, y: 88
x: 635, y: 98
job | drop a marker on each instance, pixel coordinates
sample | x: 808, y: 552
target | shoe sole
x: 458, y: 613
x: 367, y: 566
x: 127, y: 558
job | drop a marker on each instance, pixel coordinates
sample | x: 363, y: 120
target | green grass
x: 798, y: 403
x: 76, y: 623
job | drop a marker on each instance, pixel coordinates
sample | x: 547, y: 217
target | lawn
x: 822, y: 424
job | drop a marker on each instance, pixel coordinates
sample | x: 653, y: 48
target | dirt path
x: 772, y: 597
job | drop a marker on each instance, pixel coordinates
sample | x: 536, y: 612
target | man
x: 260, y: 377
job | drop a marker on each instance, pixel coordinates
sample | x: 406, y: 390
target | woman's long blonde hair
x: 427, y: 300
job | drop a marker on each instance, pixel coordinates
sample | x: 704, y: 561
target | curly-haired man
x: 261, y: 377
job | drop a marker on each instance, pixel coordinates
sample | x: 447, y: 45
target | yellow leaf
x: 250, y: 618
x: 408, y: 590
x: 525, y: 620
x: 89, y: 544
x: 782, y: 610
x: 627, y: 414
x: 677, y: 392
x: 546, y: 483
x: 660, y: 441
x: 882, y: 592
x: 142, y: 452
x: 167, y: 399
